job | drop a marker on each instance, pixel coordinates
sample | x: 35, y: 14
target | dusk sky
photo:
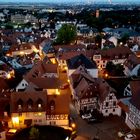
x: 124, y: 1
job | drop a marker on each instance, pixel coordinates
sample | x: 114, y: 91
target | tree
x: 34, y: 133
x: 66, y: 34
x: 124, y: 38
x: 110, y: 67
x: 119, y: 70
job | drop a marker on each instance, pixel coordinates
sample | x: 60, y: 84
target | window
x: 30, y: 103
x: 39, y: 105
x: 113, y: 110
x: 23, y: 84
x: 29, y: 106
x: 128, y: 88
x: 106, y: 104
x: 114, y: 103
x: 40, y: 120
x: 52, y: 105
x: 20, y: 114
x: 110, y: 97
x: 19, y: 106
x: 35, y: 120
x: 106, y: 111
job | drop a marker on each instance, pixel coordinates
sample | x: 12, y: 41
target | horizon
x: 72, y: 1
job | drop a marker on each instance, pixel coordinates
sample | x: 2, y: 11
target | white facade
x: 22, y: 85
x: 59, y: 120
x: 133, y: 117
x: 89, y: 103
x: 109, y: 106
x: 114, y: 40
x: 39, y: 118
x: 36, y: 117
x: 101, y: 63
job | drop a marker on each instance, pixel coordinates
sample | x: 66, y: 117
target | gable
x: 22, y: 85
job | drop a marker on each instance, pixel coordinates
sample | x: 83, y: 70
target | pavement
x: 106, y: 130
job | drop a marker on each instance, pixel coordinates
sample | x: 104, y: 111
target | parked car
x: 93, y: 120
x: 86, y: 116
x: 130, y: 136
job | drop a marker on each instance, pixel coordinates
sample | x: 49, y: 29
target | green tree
x: 34, y: 133
x: 110, y: 67
x: 124, y: 38
x: 119, y: 70
x: 66, y: 34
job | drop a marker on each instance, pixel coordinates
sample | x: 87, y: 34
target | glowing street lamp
x: 73, y: 125
x: 106, y: 75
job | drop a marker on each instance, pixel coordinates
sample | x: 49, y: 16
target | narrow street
x: 106, y: 130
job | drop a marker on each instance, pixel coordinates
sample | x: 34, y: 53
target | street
x: 106, y: 130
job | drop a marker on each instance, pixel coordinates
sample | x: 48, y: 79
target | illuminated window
x: 106, y: 104
x: 114, y: 103
x: 30, y: 103
x: 19, y: 107
x: 39, y: 105
x: 52, y: 105
x: 110, y: 97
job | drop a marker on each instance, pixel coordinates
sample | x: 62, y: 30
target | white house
x: 28, y: 108
x: 133, y: 116
x: 117, y: 55
x: 108, y: 100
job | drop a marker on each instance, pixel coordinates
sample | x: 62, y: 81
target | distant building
x: 97, y: 13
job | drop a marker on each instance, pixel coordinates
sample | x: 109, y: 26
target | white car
x: 130, y: 136
x: 86, y: 116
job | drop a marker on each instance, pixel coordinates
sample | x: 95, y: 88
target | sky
x: 100, y: 1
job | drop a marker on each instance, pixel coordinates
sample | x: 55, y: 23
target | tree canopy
x: 66, y: 34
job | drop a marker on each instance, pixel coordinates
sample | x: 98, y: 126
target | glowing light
x: 7, y: 54
x: 65, y: 68
x: 21, y: 53
x: 8, y: 76
x: 57, y: 92
x: 73, y: 125
x: 39, y: 114
x: 53, y: 61
x: 15, y: 120
x: 106, y: 75
x: 12, y: 130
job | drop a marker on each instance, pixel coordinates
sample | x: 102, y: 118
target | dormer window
x: 29, y: 106
x: 39, y: 105
x: 30, y: 103
x: 19, y: 104
x: 52, y: 105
